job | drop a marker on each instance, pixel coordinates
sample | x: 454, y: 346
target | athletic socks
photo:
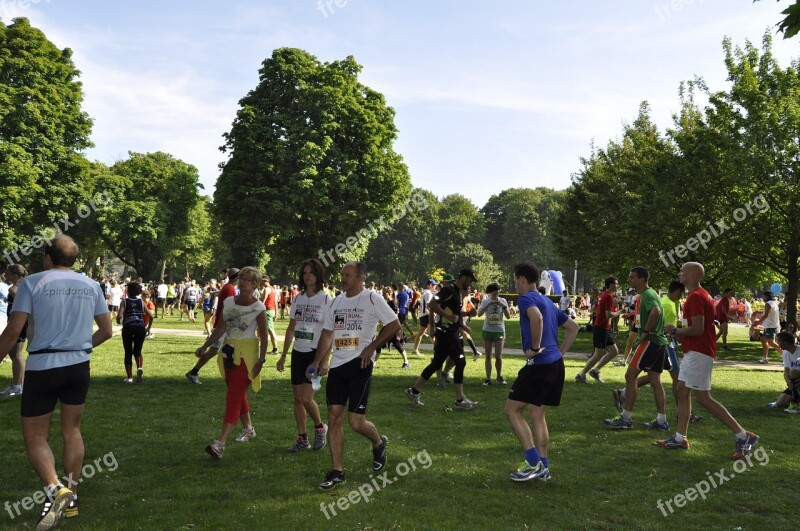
x: 742, y: 435
x: 545, y: 462
x: 678, y: 437
x: 472, y: 346
x: 626, y: 414
x: 532, y: 456
x: 661, y: 417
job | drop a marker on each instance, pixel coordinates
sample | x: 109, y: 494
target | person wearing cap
x: 425, y: 323
x: 494, y: 330
x: 228, y: 290
x: 448, y: 305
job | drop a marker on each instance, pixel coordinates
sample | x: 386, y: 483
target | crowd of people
x: 339, y: 335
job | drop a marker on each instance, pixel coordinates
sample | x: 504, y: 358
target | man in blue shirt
x: 540, y: 382
x: 59, y: 306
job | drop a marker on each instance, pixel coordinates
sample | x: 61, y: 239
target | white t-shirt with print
x: 353, y: 321
x: 308, y: 315
x: 565, y: 302
x: 240, y: 321
x: 791, y: 360
x: 493, y: 320
x: 425, y: 302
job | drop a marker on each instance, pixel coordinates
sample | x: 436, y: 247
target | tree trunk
x: 791, y: 290
x: 163, y: 270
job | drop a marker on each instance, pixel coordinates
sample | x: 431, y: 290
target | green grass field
x: 155, y: 434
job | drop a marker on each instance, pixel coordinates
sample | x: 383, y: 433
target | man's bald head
x: 62, y: 250
x: 692, y: 273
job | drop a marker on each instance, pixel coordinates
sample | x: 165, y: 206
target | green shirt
x: 647, y: 300
x: 670, y: 308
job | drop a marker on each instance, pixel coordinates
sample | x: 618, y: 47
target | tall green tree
x: 43, y: 132
x: 460, y: 223
x: 622, y: 208
x: 310, y: 162
x: 154, y: 196
x: 521, y: 225
x: 407, y: 250
x: 754, y: 130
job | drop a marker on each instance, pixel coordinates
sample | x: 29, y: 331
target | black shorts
x: 191, y: 304
x: 651, y: 357
x: 540, y: 385
x: 68, y: 385
x: 424, y: 321
x: 402, y: 317
x: 160, y: 300
x: 300, y: 362
x: 170, y: 300
x: 349, y: 383
x: 601, y: 338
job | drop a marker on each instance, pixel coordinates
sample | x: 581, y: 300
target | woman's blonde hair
x: 254, y: 273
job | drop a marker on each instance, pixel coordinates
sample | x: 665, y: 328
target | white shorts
x: 3, y: 322
x: 695, y: 371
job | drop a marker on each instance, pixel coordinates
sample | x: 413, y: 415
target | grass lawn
x: 155, y: 434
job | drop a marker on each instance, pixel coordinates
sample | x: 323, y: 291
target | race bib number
x: 346, y: 343
x: 495, y: 319
x: 303, y: 335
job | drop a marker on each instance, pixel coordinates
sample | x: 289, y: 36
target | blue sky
x: 488, y: 95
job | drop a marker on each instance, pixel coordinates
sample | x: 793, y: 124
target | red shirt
x: 227, y: 291
x: 723, y: 309
x: 150, y: 306
x: 606, y: 303
x: 700, y: 304
x: 270, y: 304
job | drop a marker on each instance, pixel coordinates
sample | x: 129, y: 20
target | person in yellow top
x: 244, y: 324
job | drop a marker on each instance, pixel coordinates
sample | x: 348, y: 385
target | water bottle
x: 316, y: 380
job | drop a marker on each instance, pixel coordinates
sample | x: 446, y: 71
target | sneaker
x: 695, y: 418
x: 53, y: 509
x: 301, y: 443
x: 320, y: 437
x: 745, y: 446
x: 275, y: 350
x: 379, y: 455
x: 656, y: 425
x: 248, y: 434
x: 671, y: 444
x: 501, y: 380
x: 763, y: 361
x: 333, y: 478
x: 447, y: 378
x: 11, y: 390
x: 792, y: 409
x: 619, y: 398
x: 619, y: 423
x: 405, y: 366
x: 581, y: 378
x: 772, y: 404
x: 414, y: 397
x: 215, y: 450
x: 193, y: 378
x: 619, y: 362
x: 487, y: 382
x: 476, y: 356
x: 594, y: 373
x: 139, y: 375
x: 527, y: 472
x: 464, y: 403
x: 127, y: 381
x: 441, y: 383
x: 726, y: 347
x: 72, y: 509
